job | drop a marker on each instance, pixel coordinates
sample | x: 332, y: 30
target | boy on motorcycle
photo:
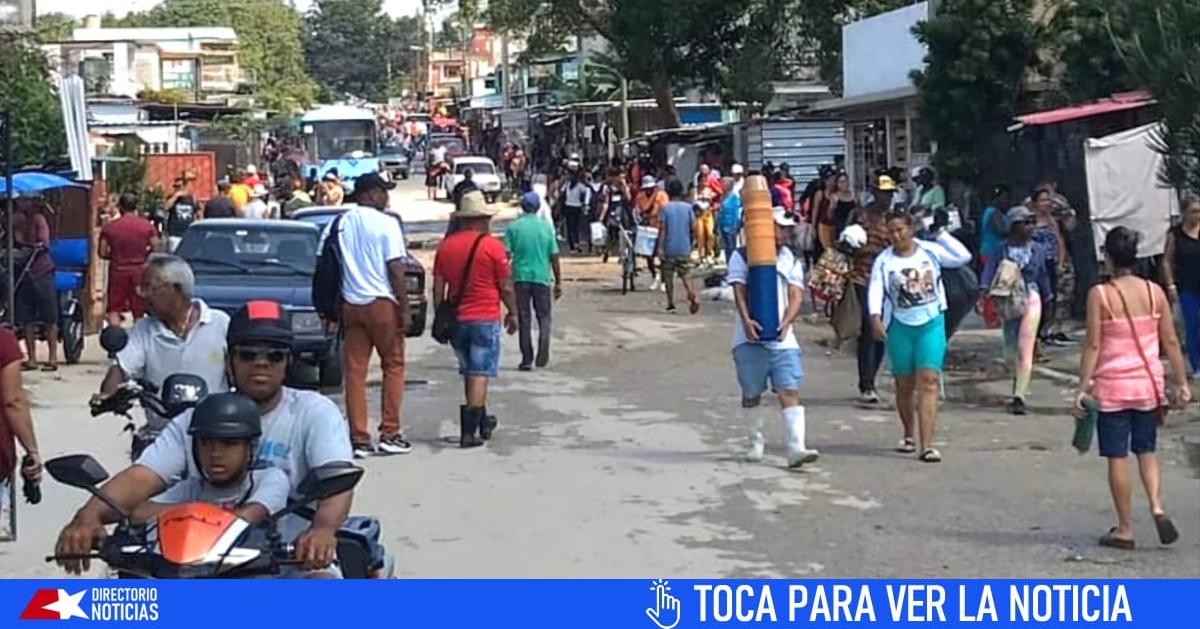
x: 301, y: 430
x: 225, y: 429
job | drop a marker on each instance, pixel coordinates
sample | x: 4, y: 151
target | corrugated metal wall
x: 804, y: 145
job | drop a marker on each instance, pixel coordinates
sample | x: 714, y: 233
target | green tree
x: 53, y: 27
x: 978, y: 51
x: 352, y: 47
x: 1163, y: 55
x: 26, y: 93
x: 1081, y: 53
x: 269, y: 39
x: 666, y: 46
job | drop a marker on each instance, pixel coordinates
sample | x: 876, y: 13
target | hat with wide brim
x: 473, y: 205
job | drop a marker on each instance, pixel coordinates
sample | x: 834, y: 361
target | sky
x: 80, y: 8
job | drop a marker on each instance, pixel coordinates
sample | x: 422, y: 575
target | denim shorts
x: 756, y: 364
x: 477, y: 345
x: 1120, y: 432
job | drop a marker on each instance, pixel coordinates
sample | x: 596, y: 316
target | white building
x: 126, y: 62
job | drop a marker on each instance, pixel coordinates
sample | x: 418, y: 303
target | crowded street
x: 623, y: 458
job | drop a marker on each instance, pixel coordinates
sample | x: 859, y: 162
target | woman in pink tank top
x: 1121, y: 370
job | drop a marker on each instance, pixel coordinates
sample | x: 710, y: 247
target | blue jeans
x: 756, y: 364
x: 477, y: 345
x: 729, y: 243
x: 1189, y: 303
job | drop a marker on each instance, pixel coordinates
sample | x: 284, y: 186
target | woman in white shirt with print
x: 907, y: 302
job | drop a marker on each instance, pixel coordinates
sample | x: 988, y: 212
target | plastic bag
x: 847, y: 317
x: 599, y: 233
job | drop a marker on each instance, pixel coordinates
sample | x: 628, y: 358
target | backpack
x: 327, y: 277
x: 729, y: 220
x: 1008, y: 291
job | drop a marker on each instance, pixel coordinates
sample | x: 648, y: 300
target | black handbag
x: 445, y: 316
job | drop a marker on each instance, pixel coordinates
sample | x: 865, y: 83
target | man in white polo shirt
x: 179, y: 334
x: 374, y: 314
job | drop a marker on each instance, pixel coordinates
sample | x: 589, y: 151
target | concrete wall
x: 879, y: 52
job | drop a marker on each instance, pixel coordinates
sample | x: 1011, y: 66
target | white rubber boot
x: 793, y: 428
x: 753, y: 419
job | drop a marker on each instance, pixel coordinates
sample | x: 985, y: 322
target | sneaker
x: 1017, y: 406
x: 395, y: 444
x: 671, y: 308
x: 868, y: 397
x: 803, y: 457
x: 362, y: 451
x: 655, y: 285
x: 524, y: 367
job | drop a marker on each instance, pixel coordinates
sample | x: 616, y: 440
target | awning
x: 35, y: 182
x: 1118, y: 102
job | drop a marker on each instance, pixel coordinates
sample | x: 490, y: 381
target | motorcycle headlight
x: 412, y: 283
x: 306, y: 322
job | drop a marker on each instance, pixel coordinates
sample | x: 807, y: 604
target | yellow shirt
x: 239, y: 193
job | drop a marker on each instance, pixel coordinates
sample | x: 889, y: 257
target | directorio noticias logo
x: 109, y: 604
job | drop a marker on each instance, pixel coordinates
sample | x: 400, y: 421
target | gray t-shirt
x: 304, y: 431
x: 268, y: 487
x: 155, y: 352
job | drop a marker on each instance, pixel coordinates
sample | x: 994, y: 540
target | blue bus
x: 343, y: 138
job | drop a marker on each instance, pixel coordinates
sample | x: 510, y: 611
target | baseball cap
x: 885, y: 184
x: 781, y: 217
x: 648, y: 181
x: 260, y: 321
x: 1018, y: 214
x: 737, y: 169
x: 531, y: 202
x: 371, y: 181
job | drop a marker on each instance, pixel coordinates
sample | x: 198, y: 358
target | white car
x: 483, y: 173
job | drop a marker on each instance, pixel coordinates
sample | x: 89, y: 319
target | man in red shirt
x: 488, y: 281
x: 126, y: 243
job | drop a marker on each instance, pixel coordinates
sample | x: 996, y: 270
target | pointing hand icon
x: 665, y: 612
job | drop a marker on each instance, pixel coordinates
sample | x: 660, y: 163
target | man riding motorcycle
x: 179, y: 334
x: 301, y: 430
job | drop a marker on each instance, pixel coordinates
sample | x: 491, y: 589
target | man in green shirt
x: 533, y: 251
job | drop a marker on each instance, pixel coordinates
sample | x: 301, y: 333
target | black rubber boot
x: 468, y: 423
x: 487, y: 425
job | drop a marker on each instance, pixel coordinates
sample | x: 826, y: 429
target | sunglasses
x: 272, y: 355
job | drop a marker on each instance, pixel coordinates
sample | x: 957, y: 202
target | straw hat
x: 473, y: 205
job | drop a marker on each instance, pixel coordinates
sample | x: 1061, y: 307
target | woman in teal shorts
x: 907, y: 302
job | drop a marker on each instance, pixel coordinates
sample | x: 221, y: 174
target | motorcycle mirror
x: 113, y: 339
x: 77, y: 470
x: 329, y: 480
x: 181, y: 391
x: 83, y: 472
x: 323, y: 482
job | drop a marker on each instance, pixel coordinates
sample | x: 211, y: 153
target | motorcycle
x: 180, y: 391
x: 195, y: 540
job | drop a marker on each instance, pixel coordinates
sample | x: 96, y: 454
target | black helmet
x: 260, y: 321
x: 226, y: 416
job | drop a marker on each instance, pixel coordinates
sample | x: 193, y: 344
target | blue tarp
x: 32, y: 183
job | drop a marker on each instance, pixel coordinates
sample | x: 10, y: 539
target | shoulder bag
x: 445, y: 317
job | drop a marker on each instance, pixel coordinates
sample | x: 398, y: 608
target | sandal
x: 48, y: 367
x: 693, y: 305
x: 907, y: 445
x: 1110, y: 540
x: 930, y: 455
x: 28, y: 366
x: 1167, y: 533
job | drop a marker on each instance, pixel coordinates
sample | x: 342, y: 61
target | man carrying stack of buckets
x: 768, y: 286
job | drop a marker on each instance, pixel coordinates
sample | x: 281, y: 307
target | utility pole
x: 8, y: 208
x: 504, y: 81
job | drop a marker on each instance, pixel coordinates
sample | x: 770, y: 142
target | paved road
x: 620, y: 460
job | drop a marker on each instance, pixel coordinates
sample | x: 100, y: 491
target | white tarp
x: 1124, y: 189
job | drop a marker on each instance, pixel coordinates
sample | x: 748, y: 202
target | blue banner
x: 645, y: 604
